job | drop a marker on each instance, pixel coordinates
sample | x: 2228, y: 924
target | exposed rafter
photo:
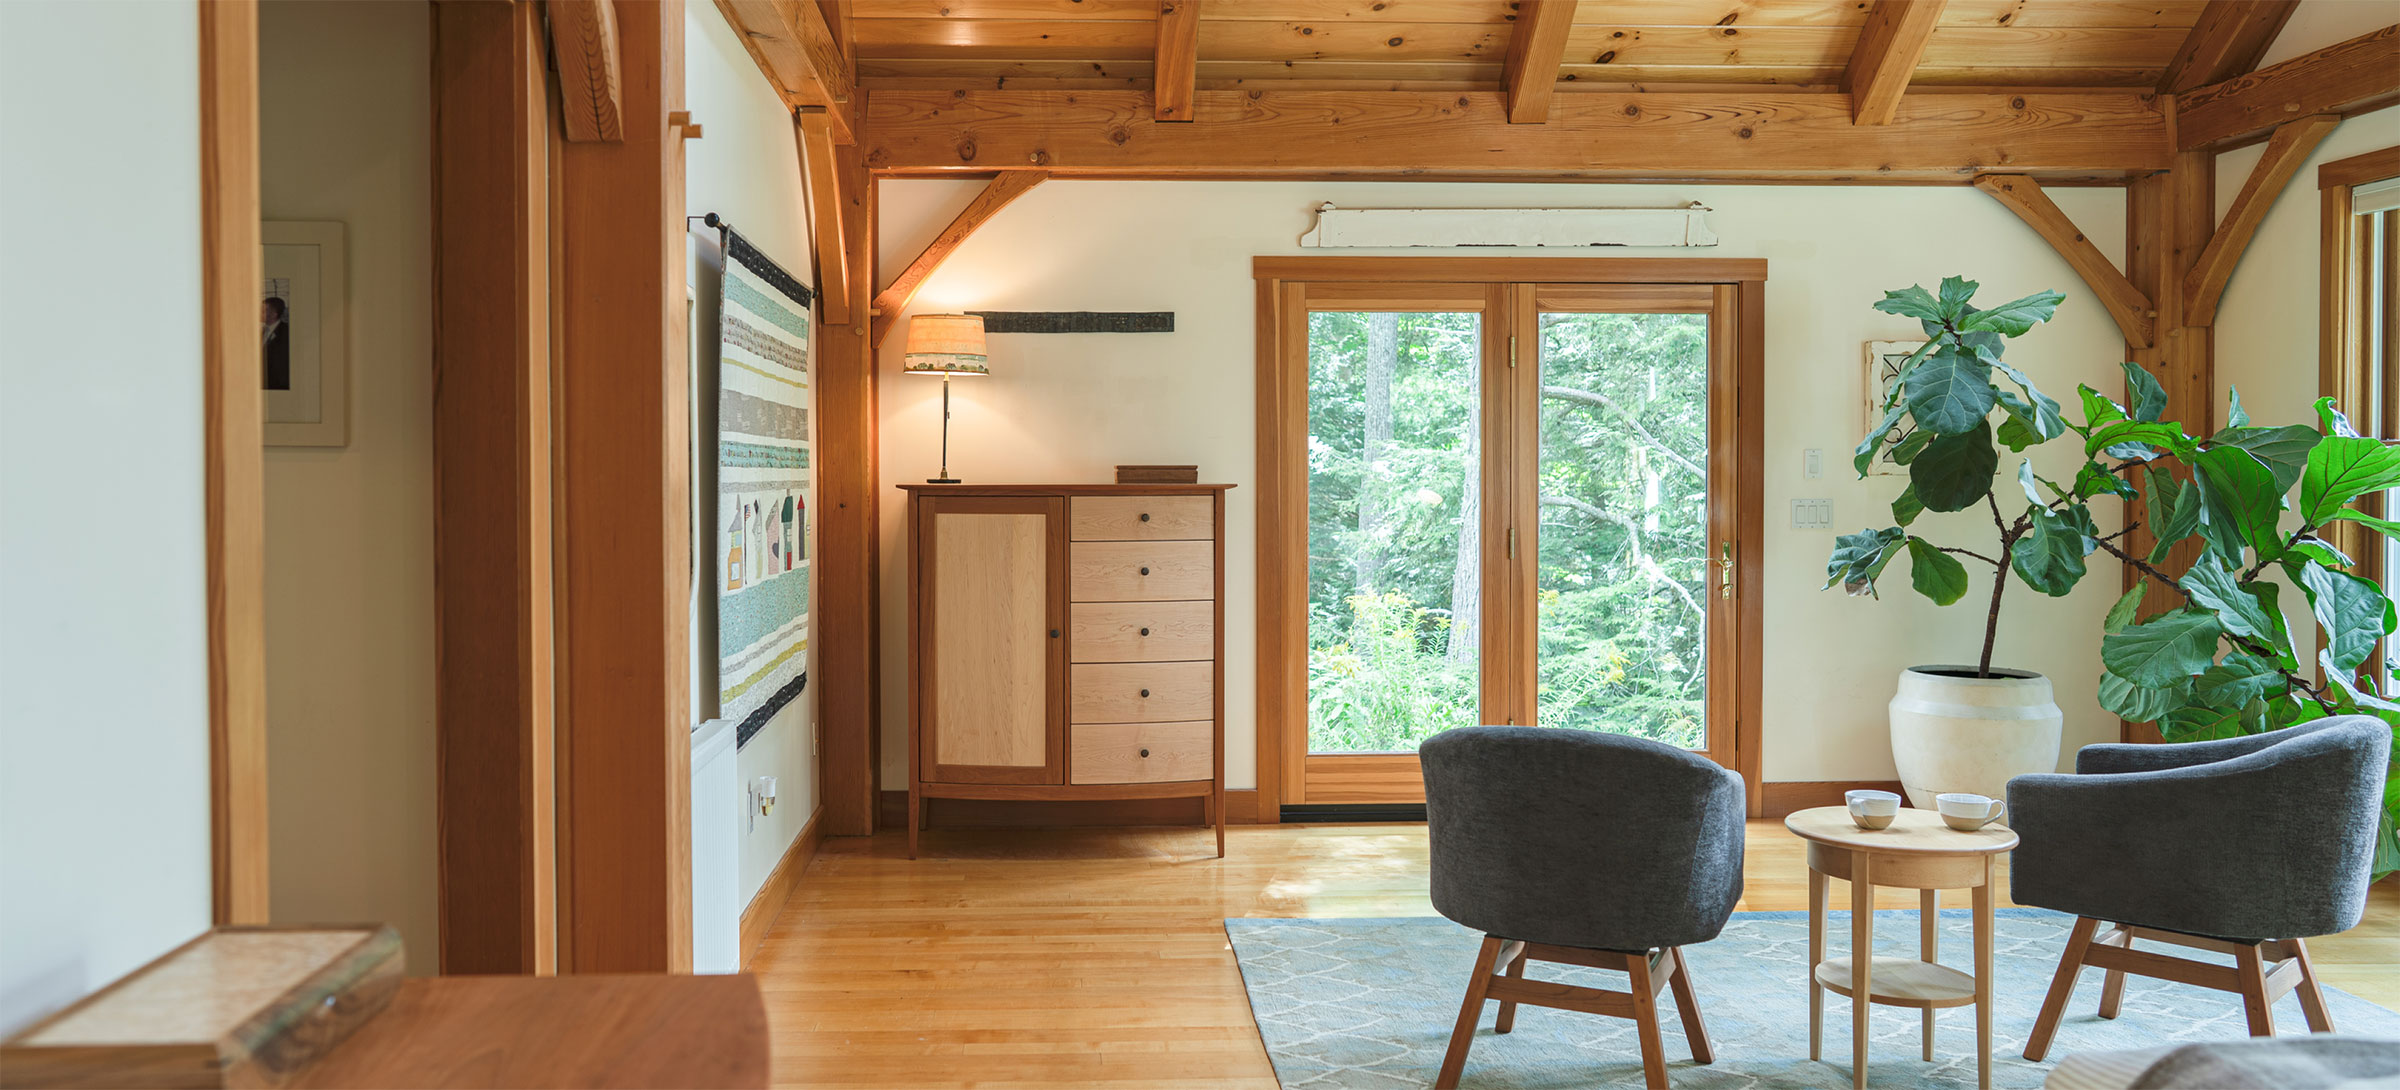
x: 2226, y: 42
x: 825, y: 212
x: 1005, y: 187
x: 1177, y: 64
x: 2360, y: 74
x: 583, y: 44
x: 796, y: 46
x: 1792, y: 135
x: 1535, y: 50
x: 2132, y: 310
x: 2204, y: 284
x: 1888, y: 49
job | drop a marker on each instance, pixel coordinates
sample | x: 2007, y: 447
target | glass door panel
x: 1624, y: 564
x: 1395, y: 549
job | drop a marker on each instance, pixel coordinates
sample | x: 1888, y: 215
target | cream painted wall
x: 747, y: 169
x: 2316, y: 24
x: 345, y: 131
x: 1069, y: 408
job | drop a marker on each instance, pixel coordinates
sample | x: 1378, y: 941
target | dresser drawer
x: 1141, y: 692
x: 1144, y: 631
x: 1142, y: 752
x: 1141, y: 571
x: 1142, y: 518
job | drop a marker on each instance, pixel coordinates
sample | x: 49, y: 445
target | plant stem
x: 1991, y: 621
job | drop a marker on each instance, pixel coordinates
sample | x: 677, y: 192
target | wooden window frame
x: 2343, y: 370
x: 1514, y: 288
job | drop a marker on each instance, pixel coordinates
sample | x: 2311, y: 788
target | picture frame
x: 1883, y: 360
x: 304, y: 342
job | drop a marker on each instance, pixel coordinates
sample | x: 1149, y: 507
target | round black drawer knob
x: 1145, y: 694
x: 1145, y: 518
x: 1145, y: 571
x: 1145, y: 753
x: 1145, y: 632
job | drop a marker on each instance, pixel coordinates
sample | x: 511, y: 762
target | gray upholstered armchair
x: 1585, y: 849
x: 2242, y: 846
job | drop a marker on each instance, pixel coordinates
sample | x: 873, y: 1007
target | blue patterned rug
x: 1368, y: 1004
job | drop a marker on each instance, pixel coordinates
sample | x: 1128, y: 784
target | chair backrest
x: 1579, y: 838
x: 2323, y: 782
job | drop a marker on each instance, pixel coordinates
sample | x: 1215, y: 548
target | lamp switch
x: 1812, y: 514
x: 1812, y: 463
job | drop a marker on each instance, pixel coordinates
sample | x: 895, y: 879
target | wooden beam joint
x: 583, y: 44
x: 2204, y: 283
x: 824, y: 182
x: 1535, y: 52
x: 2343, y: 79
x: 1889, y: 47
x: 1175, y: 74
x: 1004, y: 187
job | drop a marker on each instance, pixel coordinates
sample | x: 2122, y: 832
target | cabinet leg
x: 915, y: 807
x: 1929, y: 943
x: 1983, y: 978
x: 1862, y: 960
x: 1816, y: 957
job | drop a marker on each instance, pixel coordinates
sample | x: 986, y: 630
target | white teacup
x: 1967, y: 812
x: 1872, y: 809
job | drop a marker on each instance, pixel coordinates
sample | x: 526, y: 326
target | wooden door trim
x: 2343, y: 371
x: 234, y: 462
x: 925, y: 765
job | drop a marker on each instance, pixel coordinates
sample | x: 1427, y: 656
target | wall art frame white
x: 305, y: 380
x: 1882, y: 369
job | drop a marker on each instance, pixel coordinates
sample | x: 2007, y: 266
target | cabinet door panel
x: 994, y: 668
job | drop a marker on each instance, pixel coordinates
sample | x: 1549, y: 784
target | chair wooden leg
x: 2250, y: 969
x: 1508, y: 1007
x: 2112, y: 986
x: 1645, y: 1020
x: 2312, y: 996
x: 1454, y: 1063
x: 2062, y: 987
x: 1688, y: 1005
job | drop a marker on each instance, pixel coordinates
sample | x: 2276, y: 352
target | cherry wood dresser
x: 1066, y: 642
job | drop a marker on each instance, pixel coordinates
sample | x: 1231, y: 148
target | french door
x: 1491, y: 500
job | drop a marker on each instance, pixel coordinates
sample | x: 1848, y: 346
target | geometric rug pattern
x: 1368, y: 1004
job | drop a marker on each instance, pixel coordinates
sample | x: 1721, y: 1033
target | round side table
x: 1916, y: 852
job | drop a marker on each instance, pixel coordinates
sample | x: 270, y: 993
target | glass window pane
x: 1394, y: 591
x: 1622, y: 598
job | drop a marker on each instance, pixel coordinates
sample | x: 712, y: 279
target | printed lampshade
x: 945, y: 344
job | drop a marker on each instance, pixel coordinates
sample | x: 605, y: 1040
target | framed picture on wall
x: 1882, y: 371
x: 303, y: 335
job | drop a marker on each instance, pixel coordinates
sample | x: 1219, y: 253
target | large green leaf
x: 2050, y: 556
x: 1906, y: 450
x: 2333, y: 420
x: 2029, y: 422
x: 2128, y: 605
x: 2284, y: 450
x: 2239, y: 502
x: 1950, y: 392
x: 2319, y: 550
x: 2014, y: 317
x: 2140, y: 704
x: 2098, y: 411
x: 2236, y: 416
x: 2210, y: 586
x: 2094, y: 479
x: 2202, y: 723
x: 1912, y: 301
x: 1905, y: 507
x: 2032, y: 482
x: 1858, y: 558
x: 2149, y: 398
x: 2163, y: 650
x: 2134, y: 438
x: 2040, y: 409
x: 1864, y: 454
x: 2342, y: 468
x: 2174, y: 510
x: 2384, y: 526
x: 2237, y: 680
x: 2352, y: 611
x: 1954, y: 471
x: 1956, y: 291
x: 1935, y: 574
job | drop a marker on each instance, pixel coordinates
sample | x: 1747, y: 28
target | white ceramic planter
x: 1952, y: 731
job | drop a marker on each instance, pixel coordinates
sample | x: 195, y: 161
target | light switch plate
x: 1812, y: 514
x: 1812, y: 463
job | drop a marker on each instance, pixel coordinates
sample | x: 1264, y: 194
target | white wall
x: 747, y: 170
x: 345, y: 134
x: 104, y: 811
x: 1069, y: 408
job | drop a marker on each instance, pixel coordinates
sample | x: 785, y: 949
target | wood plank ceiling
x: 1440, y: 45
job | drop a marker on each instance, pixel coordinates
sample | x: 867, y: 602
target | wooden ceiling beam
x: 2226, y: 42
x: 2133, y: 311
x: 583, y: 44
x: 1003, y: 188
x: 1681, y: 136
x: 1177, y: 62
x: 2204, y: 284
x: 1535, y: 51
x: 1886, y: 56
x: 824, y: 180
x: 2343, y: 79
x: 801, y: 54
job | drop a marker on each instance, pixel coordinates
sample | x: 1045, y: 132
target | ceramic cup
x: 1872, y: 809
x: 1968, y: 812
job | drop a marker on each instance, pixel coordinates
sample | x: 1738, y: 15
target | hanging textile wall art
x: 764, y: 487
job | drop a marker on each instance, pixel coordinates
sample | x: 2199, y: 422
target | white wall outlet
x: 1812, y: 514
x: 1812, y: 463
x: 762, y: 794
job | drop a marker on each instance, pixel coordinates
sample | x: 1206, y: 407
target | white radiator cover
x: 717, y: 803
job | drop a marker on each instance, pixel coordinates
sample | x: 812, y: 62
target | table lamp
x: 945, y: 345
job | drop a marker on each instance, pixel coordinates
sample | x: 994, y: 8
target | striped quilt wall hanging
x: 764, y: 487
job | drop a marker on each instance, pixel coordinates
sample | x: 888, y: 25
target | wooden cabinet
x: 1066, y: 642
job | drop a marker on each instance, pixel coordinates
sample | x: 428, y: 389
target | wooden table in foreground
x: 1916, y: 852
x: 565, y: 1031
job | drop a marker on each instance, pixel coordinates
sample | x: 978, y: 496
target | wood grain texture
x: 1535, y: 50
x: 990, y: 646
x: 1142, y: 518
x: 494, y: 771
x: 1140, y: 752
x: 2169, y: 219
x: 1913, y: 832
x: 2372, y: 166
x: 1141, y: 571
x: 995, y: 196
x: 1176, y: 60
x: 2227, y: 41
x: 1141, y: 631
x: 593, y: 1030
x: 1688, y: 135
x: 1886, y: 56
x: 2345, y: 78
x: 232, y: 464
x: 2204, y: 283
x: 772, y: 894
x: 850, y: 551
x: 2127, y: 305
x: 1141, y: 692
x: 824, y: 180
x: 803, y: 56
x: 591, y: 69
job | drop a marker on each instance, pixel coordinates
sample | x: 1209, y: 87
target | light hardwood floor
x: 1013, y: 958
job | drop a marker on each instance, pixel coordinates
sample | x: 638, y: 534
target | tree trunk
x: 1383, y: 363
x: 1466, y: 582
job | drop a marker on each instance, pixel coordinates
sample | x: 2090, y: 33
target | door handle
x: 1725, y: 570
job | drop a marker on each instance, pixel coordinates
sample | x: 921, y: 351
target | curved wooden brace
x: 583, y: 44
x: 2204, y: 284
x: 1006, y: 186
x: 2133, y: 310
